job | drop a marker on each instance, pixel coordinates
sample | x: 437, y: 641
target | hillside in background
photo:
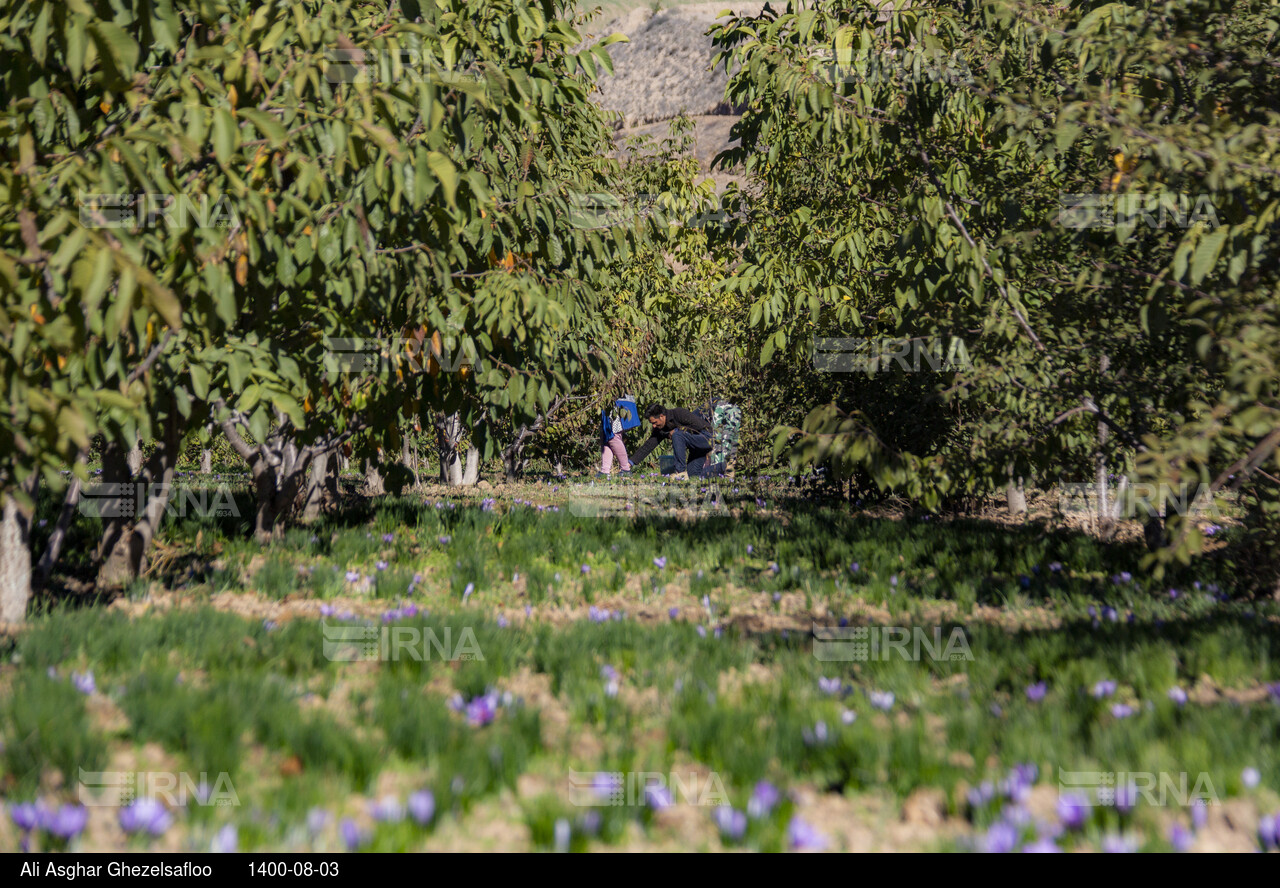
x: 666, y: 69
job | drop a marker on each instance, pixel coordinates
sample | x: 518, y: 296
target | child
x: 611, y: 443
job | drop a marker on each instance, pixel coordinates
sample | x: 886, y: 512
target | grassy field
x: 570, y: 664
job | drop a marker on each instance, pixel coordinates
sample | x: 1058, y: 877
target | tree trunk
x: 125, y: 555
x: 135, y: 460
x: 315, y: 493
x: 1106, y: 524
x: 373, y: 485
x: 448, y: 436
x: 1016, y: 497
x: 70, y: 502
x: 472, y: 473
x: 206, y: 461
x: 407, y: 458
x: 15, y: 553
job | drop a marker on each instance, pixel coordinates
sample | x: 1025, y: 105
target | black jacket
x: 677, y: 418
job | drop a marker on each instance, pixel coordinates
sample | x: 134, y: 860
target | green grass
x: 297, y: 727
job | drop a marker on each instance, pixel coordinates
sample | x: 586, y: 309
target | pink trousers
x: 615, y: 447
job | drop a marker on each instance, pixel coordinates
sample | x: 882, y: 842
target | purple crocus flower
x: 422, y: 806
x: 388, y: 537
x: 381, y: 565
x: 317, y: 819
x: 226, y: 840
x: 1001, y: 838
x: 350, y: 833
x: 1073, y: 810
x: 1178, y: 696
x: 1250, y: 777
x: 586, y: 568
x: 26, y: 816
x: 657, y: 797
x: 855, y: 567
x: 608, y: 672
x: 444, y: 540
x: 804, y: 837
x: 1181, y: 838
x: 1126, y: 798
x: 1199, y: 815
x: 503, y: 622
x: 702, y: 631
x: 848, y: 717
x: 982, y: 794
x: 84, y: 683
x: 1043, y: 845
x: 1122, y: 710
x: 1036, y: 692
x: 353, y: 576
x: 562, y: 835
x: 732, y: 822
x: 882, y: 700
x: 388, y: 810
x: 1269, y: 830
x: 68, y: 821
x: 673, y: 613
x: 660, y: 563
x: 829, y: 685
x: 145, y: 815
x: 1104, y: 688
x: 466, y: 593
x: 481, y: 711
x: 763, y: 800
x: 817, y: 736
x: 1114, y: 844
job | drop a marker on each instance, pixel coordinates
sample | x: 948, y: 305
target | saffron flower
x: 1073, y: 810
x: 1181, y: 838
x: 83, y: 683
x: 803, y: 837
x: 422, y: 806
x: 1178, y: 696
x: 764, y: 798
x: 1036, y: 692
x: 732, y: 822
x: 145, y: 815
x: 882, y: 700
x: 226, y: 840
x: 1104, y: 688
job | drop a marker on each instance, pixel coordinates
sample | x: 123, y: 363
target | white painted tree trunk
x: 472, y: 474
x: 15, y: 560
x: 1016, y: 495
x: 134, y: 458
x: 206, y: 461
